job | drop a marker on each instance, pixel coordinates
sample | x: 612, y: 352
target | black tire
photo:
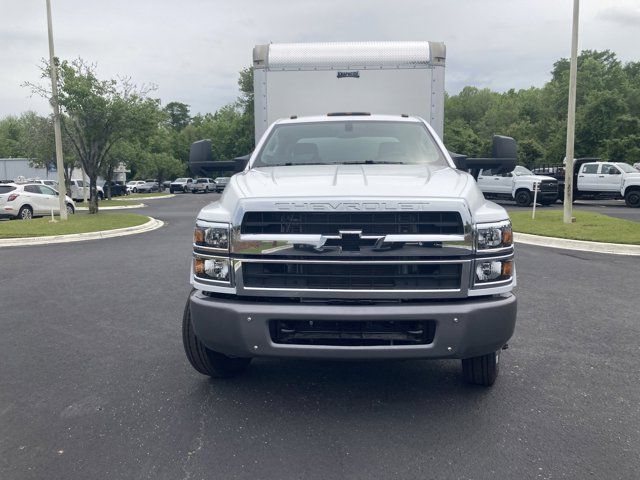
x: 70, y: 209
x: 25, y: 212
x: 135, y: 189
x: 482, y: 370
x: 632, y: 198
x: 170, y: 190
x: 207, y: 361
x: 523, y: 198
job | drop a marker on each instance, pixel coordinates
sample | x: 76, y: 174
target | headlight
x: 212, y: 236
x: 491, y: 270
x: 494, y: 235
x: 215, y: 268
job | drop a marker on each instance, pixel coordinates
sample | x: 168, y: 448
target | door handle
x: 496, y: 179
x: 581, y: 176
x: 601, y: 176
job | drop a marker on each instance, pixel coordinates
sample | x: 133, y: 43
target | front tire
x: 205, y: 360
x: 632, y: 198
x: 482, y: 370
x: 523, y: 198
x: 70, y: 209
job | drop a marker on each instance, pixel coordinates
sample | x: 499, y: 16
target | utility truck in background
x: 350, y: 232
x: 594, y: 179
x: 519, y: 185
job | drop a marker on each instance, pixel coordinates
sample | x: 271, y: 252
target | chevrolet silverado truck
x: 519, y: 185
x: 594, y: 179
x: 353, y: 236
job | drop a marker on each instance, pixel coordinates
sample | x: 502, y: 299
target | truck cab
x: 609, y: 179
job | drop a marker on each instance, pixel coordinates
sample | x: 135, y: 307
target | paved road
x: 94, y: 383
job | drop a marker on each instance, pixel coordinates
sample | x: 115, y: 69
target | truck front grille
x: 352, y: 276
x: 549, y: 186
x: 352, y: 332
x: 370, y: 223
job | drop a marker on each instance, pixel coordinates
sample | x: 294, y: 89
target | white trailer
x: 305, y: 79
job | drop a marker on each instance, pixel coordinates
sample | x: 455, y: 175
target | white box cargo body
x: 378, y: 77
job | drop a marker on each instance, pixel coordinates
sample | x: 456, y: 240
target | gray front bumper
x: 465, y: 328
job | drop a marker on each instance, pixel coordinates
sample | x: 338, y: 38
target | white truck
x: 594, y: 179
x: 518, y: 185
x: 351, y: 235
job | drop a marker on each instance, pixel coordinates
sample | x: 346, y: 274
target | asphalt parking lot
x: 94, y: 382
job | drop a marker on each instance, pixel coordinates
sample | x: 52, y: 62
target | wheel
x: 25, y: 212
x: 135, y: 190
x: 632, y: 198
x: 523, y: 198
x: 482, y: 370
x: 203, y: 359
x: 70, y: 209
x: 170, y: 190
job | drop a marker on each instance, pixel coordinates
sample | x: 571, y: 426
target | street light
x: 62, y: 188
x: 571, y: 118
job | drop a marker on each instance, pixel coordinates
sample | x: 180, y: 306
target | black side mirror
x: 241, y: 163
x: 505, y: 153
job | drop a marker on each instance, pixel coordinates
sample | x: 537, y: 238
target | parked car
x: 149, y: 186
x: 117, y: 189
x: 204, y: 185
x: 166, y: 184
x: 221, y: 183
x: 132, y: 186
x: 637, y: 166
x: 30, y: 200
x: 182, y: 184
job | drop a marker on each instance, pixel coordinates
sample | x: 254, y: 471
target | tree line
x: 108, y: 122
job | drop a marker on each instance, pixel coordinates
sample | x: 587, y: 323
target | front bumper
x: 464, y: 328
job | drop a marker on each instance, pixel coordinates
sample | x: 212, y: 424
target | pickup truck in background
x: 598, y: 180
x: 519, y: 186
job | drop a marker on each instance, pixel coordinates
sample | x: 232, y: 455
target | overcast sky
x: 193, y: 49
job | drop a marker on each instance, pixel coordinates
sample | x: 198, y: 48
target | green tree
x: 178, y: 115
x: 98, y: 114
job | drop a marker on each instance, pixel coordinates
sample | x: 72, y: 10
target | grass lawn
x: 79, y: 223
x: 112, y: 203
x: 594, y: 227
x: 141, y: 196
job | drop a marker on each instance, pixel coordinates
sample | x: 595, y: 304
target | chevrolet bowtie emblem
x: 350, y: 240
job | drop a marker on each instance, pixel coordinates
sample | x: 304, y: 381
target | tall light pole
x: 571, y: 118
x: 62, y: 188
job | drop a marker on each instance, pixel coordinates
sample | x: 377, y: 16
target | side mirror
x: 241, y: 163
x: 505, y: 153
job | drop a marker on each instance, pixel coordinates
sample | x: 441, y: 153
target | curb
x: 137, y: 205
x: 580, y: 245
x: 152, y: 224
x: 145, y: 198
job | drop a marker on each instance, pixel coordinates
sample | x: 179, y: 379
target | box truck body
x: 303, y: 79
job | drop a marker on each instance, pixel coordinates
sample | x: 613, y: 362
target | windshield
x: 626, y: 168
x: 221, y: 179
x: 181, y: 180
x: 520, y: 170
x: 349, y: 142
x: 202, y: 180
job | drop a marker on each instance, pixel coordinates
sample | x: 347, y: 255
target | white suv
x: 30, y: 200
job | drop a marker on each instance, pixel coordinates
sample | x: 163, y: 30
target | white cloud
x: 193, y: 49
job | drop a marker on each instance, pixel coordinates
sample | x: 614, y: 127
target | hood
x: 351, y: 180
x: 535, y: 178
